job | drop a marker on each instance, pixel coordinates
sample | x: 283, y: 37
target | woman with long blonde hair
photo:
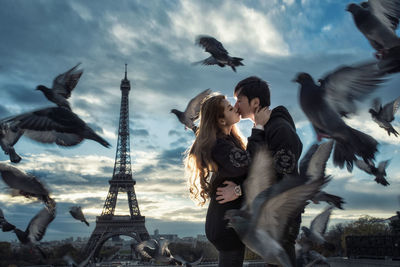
x: 218, y: 158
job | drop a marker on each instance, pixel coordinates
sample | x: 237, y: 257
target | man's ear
x: 255, y: 103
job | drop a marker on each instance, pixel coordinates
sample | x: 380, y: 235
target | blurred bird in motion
x: 335, y: 97
x: 377, y: 20
x: 384, y: 116
x: 156, y: 250
x: 36, y: 229
x: 306, y: 172
x: 48, y: 125
x: 62, y: 87
x: 76, y: 212
x: 24, y: 184
x: 192, y: 110
x: 379, y: 173
x: 219, y: 55
x: 318, y: 228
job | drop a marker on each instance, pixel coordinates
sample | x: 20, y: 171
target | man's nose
x: 236, y: 106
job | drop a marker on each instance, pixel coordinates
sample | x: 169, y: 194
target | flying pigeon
x: 156, y: 250
x: 8, y: 138
x: 320, y: 196
x: 261, y: 222
x: 54, y: 125
x: 76, y: 212
x: 24, y: 184
x: 36, y: 228
x: 4, y: 224
x: 324, y: 105
x: 379, y: 173
x: 384, y: 116
x: 62, y: 87
x: 318, y: 228
x: 219, y: 56
x: 377, y: 20
x: 192, y: 110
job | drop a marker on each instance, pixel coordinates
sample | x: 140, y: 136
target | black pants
x: 231, y: 258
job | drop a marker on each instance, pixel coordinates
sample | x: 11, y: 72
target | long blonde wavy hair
x: 199, y: 165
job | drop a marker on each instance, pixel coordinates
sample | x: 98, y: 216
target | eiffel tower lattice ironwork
x: 108, y: 224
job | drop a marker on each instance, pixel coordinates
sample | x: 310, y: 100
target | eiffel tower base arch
x: 115, y: 226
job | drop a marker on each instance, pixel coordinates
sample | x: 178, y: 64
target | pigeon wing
x: 37, y: 226
x: 193, y: 108
x: 376, y: 104
x: 363, y: 166
x: 64, y: 83
x: 147, y: 248
x: 284, y: 206
x: 382, y: 166
x: 320, y: 222
x: 212, y: 46
x: 209, y: 61
x: 390, y: 109
x: 317, y: 163
x: 305, y: 160
x: 261, y: 176
x: 20, y: 180
x: 51, y: 125
x: 387, y: 11
x: 347, y: 84
x: 164, y: 243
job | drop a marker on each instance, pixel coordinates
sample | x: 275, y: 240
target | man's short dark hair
x: 253, y: 87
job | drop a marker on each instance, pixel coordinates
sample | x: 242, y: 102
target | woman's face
x: 231, y: 114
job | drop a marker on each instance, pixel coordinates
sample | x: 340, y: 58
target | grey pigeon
x: 379, y: 173
x: 76, y: 212
x: 155, y: 249
x: 24, y: 184
x: 384, y: 116
x: 62, y: 87
x: 192, y: 110
x: 318, y: 227
x: 324, y: 105
x: 261, y: 222
x: 54, y: 125
x: 36, y: 228
x: 377, y: 20
x: 8, y: 138
x: 322, y: 195
x: 4, y: 224
x: 219, y: 55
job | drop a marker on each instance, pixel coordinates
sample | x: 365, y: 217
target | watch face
x: 238, y: 191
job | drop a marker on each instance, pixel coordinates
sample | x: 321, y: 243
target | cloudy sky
x: 277, y: 39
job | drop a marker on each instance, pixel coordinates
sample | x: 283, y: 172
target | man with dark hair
x: 279, y: 135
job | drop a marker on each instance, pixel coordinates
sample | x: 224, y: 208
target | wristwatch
x: 238, y: 190
x: 258, y: 126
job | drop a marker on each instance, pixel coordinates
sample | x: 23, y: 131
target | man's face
x: 243, y: 106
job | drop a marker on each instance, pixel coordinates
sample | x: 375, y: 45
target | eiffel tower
x: 107, y: 224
